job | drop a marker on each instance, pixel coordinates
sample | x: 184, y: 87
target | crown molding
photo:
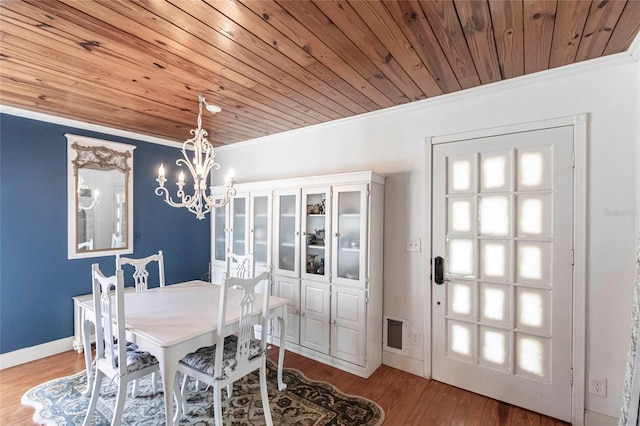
x: 53, y: 119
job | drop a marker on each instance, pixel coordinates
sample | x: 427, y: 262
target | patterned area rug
x: 304, y: 402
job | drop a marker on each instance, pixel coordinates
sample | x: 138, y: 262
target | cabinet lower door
x: 348, y: 324
x: 289, y: 288
x: 315, y: 304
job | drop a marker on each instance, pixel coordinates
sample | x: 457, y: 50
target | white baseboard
x: 21, y: 356
x: 591, y: 418
x: 404, y: 363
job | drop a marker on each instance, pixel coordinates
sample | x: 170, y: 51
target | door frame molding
x: 580, y: 217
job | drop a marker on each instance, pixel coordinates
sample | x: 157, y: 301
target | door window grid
x: 519, y: 249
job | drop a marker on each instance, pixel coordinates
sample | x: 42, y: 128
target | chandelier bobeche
x: 203, y: 162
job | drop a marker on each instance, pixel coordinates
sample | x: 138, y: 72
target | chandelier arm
x: 186, y: 199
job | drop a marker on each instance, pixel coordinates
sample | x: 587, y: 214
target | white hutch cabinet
x: 327, y: 260
x: 242, y: 227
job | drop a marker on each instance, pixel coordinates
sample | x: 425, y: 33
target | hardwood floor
x: 406, y: 399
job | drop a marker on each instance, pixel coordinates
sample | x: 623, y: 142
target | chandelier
x: 202, y: 162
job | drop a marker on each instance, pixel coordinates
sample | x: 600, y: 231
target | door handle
x: 438, y: 273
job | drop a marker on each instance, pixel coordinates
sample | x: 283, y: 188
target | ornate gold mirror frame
x: 99, y: 197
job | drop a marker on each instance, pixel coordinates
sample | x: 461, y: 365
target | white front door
x: 502, y: 232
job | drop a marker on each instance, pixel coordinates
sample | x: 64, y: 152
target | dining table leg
x: 167, y: 360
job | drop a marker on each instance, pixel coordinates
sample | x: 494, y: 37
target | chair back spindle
x: 141, y: 273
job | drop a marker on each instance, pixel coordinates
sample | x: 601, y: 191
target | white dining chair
x: 141, y: 274
x: 111, y: 344
x: 236, y: 352
x: 87, y: 245
x: 141, y: 280
x: 239, y: 266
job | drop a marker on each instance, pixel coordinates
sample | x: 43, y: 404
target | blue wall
x: 37, y: 281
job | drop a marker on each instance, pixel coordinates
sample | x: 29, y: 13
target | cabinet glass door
x: 288, y: 233
x: 316, y: 231
x: 349, y: 222
x: 261, y: 230
x: 240, y: 225
x: 220, y: 235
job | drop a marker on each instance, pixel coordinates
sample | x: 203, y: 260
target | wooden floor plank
x: 406, y: 398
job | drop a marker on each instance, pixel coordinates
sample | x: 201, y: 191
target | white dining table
x: 176, y: 319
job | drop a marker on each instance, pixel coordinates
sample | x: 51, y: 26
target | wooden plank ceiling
x: 279, y: 65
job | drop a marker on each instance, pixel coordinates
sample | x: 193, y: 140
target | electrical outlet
x: 415, y: 337
x: 414, y: 245
x: 598, y: 386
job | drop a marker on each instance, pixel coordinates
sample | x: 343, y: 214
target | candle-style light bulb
x: 230, y: 177
x: 181, y: 178
x: 161, y: 171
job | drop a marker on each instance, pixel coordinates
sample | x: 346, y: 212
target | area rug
x: 304, y: 402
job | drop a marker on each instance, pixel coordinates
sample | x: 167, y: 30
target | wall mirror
x: 99, y: 197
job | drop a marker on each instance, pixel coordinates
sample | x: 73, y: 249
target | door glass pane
x: 531, y: 258
x: 495, y: 215
x: 348, y: 228
x: 494, y: 304
x: 534, y: 215
x: 461, y: 174
x: 534, y: 168
x: 494, y: 348
x: 239, y: 225
x: 287, y: 229
x: 220, y: 245
x: 496, y: 260
x: 534, y: 307
x: 460, y: 257
x: 461, y: 216
x: 496, y: 171
x: 460, y: 299
x: 532, y: 356
x: 260, y: 230
x: 460, y: 340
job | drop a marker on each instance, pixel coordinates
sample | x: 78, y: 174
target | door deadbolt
x: 438, y: 264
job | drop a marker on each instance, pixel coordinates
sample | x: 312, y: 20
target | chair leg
x: 121, y: 396
x: 229, y: 390
x: 183, y: 392
x: 217, y: 405
x: 263, y: 392
x: 134, y: 389
x: 95, y: 394
x: 179, y: 393
x: 154, y: 382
